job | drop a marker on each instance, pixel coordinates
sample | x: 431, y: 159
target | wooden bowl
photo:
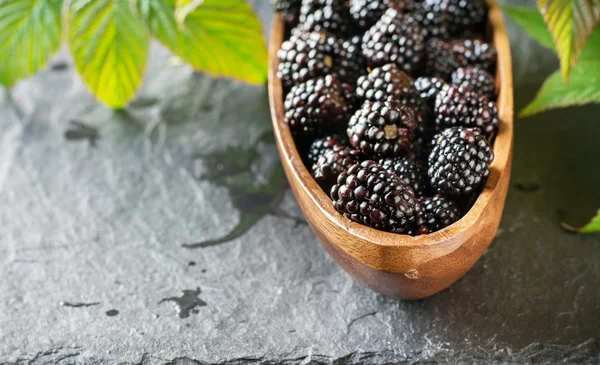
x: 399, y: 265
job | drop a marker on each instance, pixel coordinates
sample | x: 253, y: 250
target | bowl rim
x: 502, y: 147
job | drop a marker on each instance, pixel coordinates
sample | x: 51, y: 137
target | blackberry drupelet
x: 428, y: 87
x: 458, y: 106
x: 475, y: 79
x: 289, y: 10
x: 318, y: 105
x: 370, y: 195
x: 438, y: 212
x: 365, y: 13
x: 413, y: 172
x: 303, y: 57
x: 331, y: 164
x: 441, y: 61
x: 458, y: 163
x: 349, y: 63
x: 324, y: 144
x: 382, y: 129
x: 395, y: 38
x: 466, y: 14
x: 434, y: 17
x: 474, y: 52
x: 389, y: 83
x: 326, y: 16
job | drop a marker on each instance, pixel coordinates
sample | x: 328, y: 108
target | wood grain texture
x: 399, y: 265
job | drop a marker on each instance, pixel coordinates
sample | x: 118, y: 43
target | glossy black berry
x: 349, y: 64
x: 289, y: 10
x: 466, y: 14
x: 325, y: 16
x: 369, y: 194
x: 335, y: 161
x: 382, y: 129
x: 389, y: 83
x: 434, y: 17
x: 412, y: 171
x: 321, y: 145
x: 438, y: 212
x: 395, y: 38
x: 475, y: 79
x: 303, y: 57
x: 458, y: 162
x: 441, y: 61
x: 474, y: 52
x: 321, y: 104
x: 429, y: 88
x: 458, y: 106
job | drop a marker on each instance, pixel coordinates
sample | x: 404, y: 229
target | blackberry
x: 476, y: 80
x: 458, y: 163
x: 438, y: 212
x: 326, y: 16
x: 434, y: 18
x: 458, y: 106
x: 441, y: 61
x: 303, y: 57
x: 466, y: 14
x: 289, y: 10
x: 429, y: 87
x: 317, y: 105
x: 389, y: 83
x: 348, y: 61
x: 412, y: 172
x: 370, y: 195
x: 324, y: 144
x: 365, y: 13
x: 335, y: 161
x: 382, y: 129
x: 474, y: 52
x: 395, y: 38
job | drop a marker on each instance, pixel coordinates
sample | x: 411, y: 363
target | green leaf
x: 532, y: 22
x: 221, y: 37
x: 592, y: 226
x: 109, y: 43
x: 570, y: 22
x: 583, y: 88
x: 184, y: 7
x: 30, y: 32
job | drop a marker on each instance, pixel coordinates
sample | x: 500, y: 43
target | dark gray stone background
x: 191, y: 160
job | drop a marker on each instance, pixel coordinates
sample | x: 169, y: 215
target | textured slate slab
x: 93, y: 270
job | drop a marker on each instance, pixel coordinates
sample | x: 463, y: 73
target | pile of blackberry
x: 392, y: 106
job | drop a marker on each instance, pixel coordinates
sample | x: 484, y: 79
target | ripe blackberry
x: 289, y: 10
x: 303, y: 57
x: 389, y: 83
x: 412, y: 172
x: 474, y: 52
x: 438, y: 212
x: 466, y: 14
x: 434, y: 17
x: 458, y: 106
x: 326, y: 16
x: 335, y: 161
x: 458, y: 163
x: 318, y: 104
x: 441, y: 61
x: 348, y: 61
x: 365, y: 13
x: 429, y: 87
x: 395, y: 38
x: 370, y: 195
x: 382, y: 129
x: 324, y: 144
x: 476, y: 80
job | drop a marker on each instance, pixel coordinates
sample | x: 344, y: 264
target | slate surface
x: 93, y: 270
